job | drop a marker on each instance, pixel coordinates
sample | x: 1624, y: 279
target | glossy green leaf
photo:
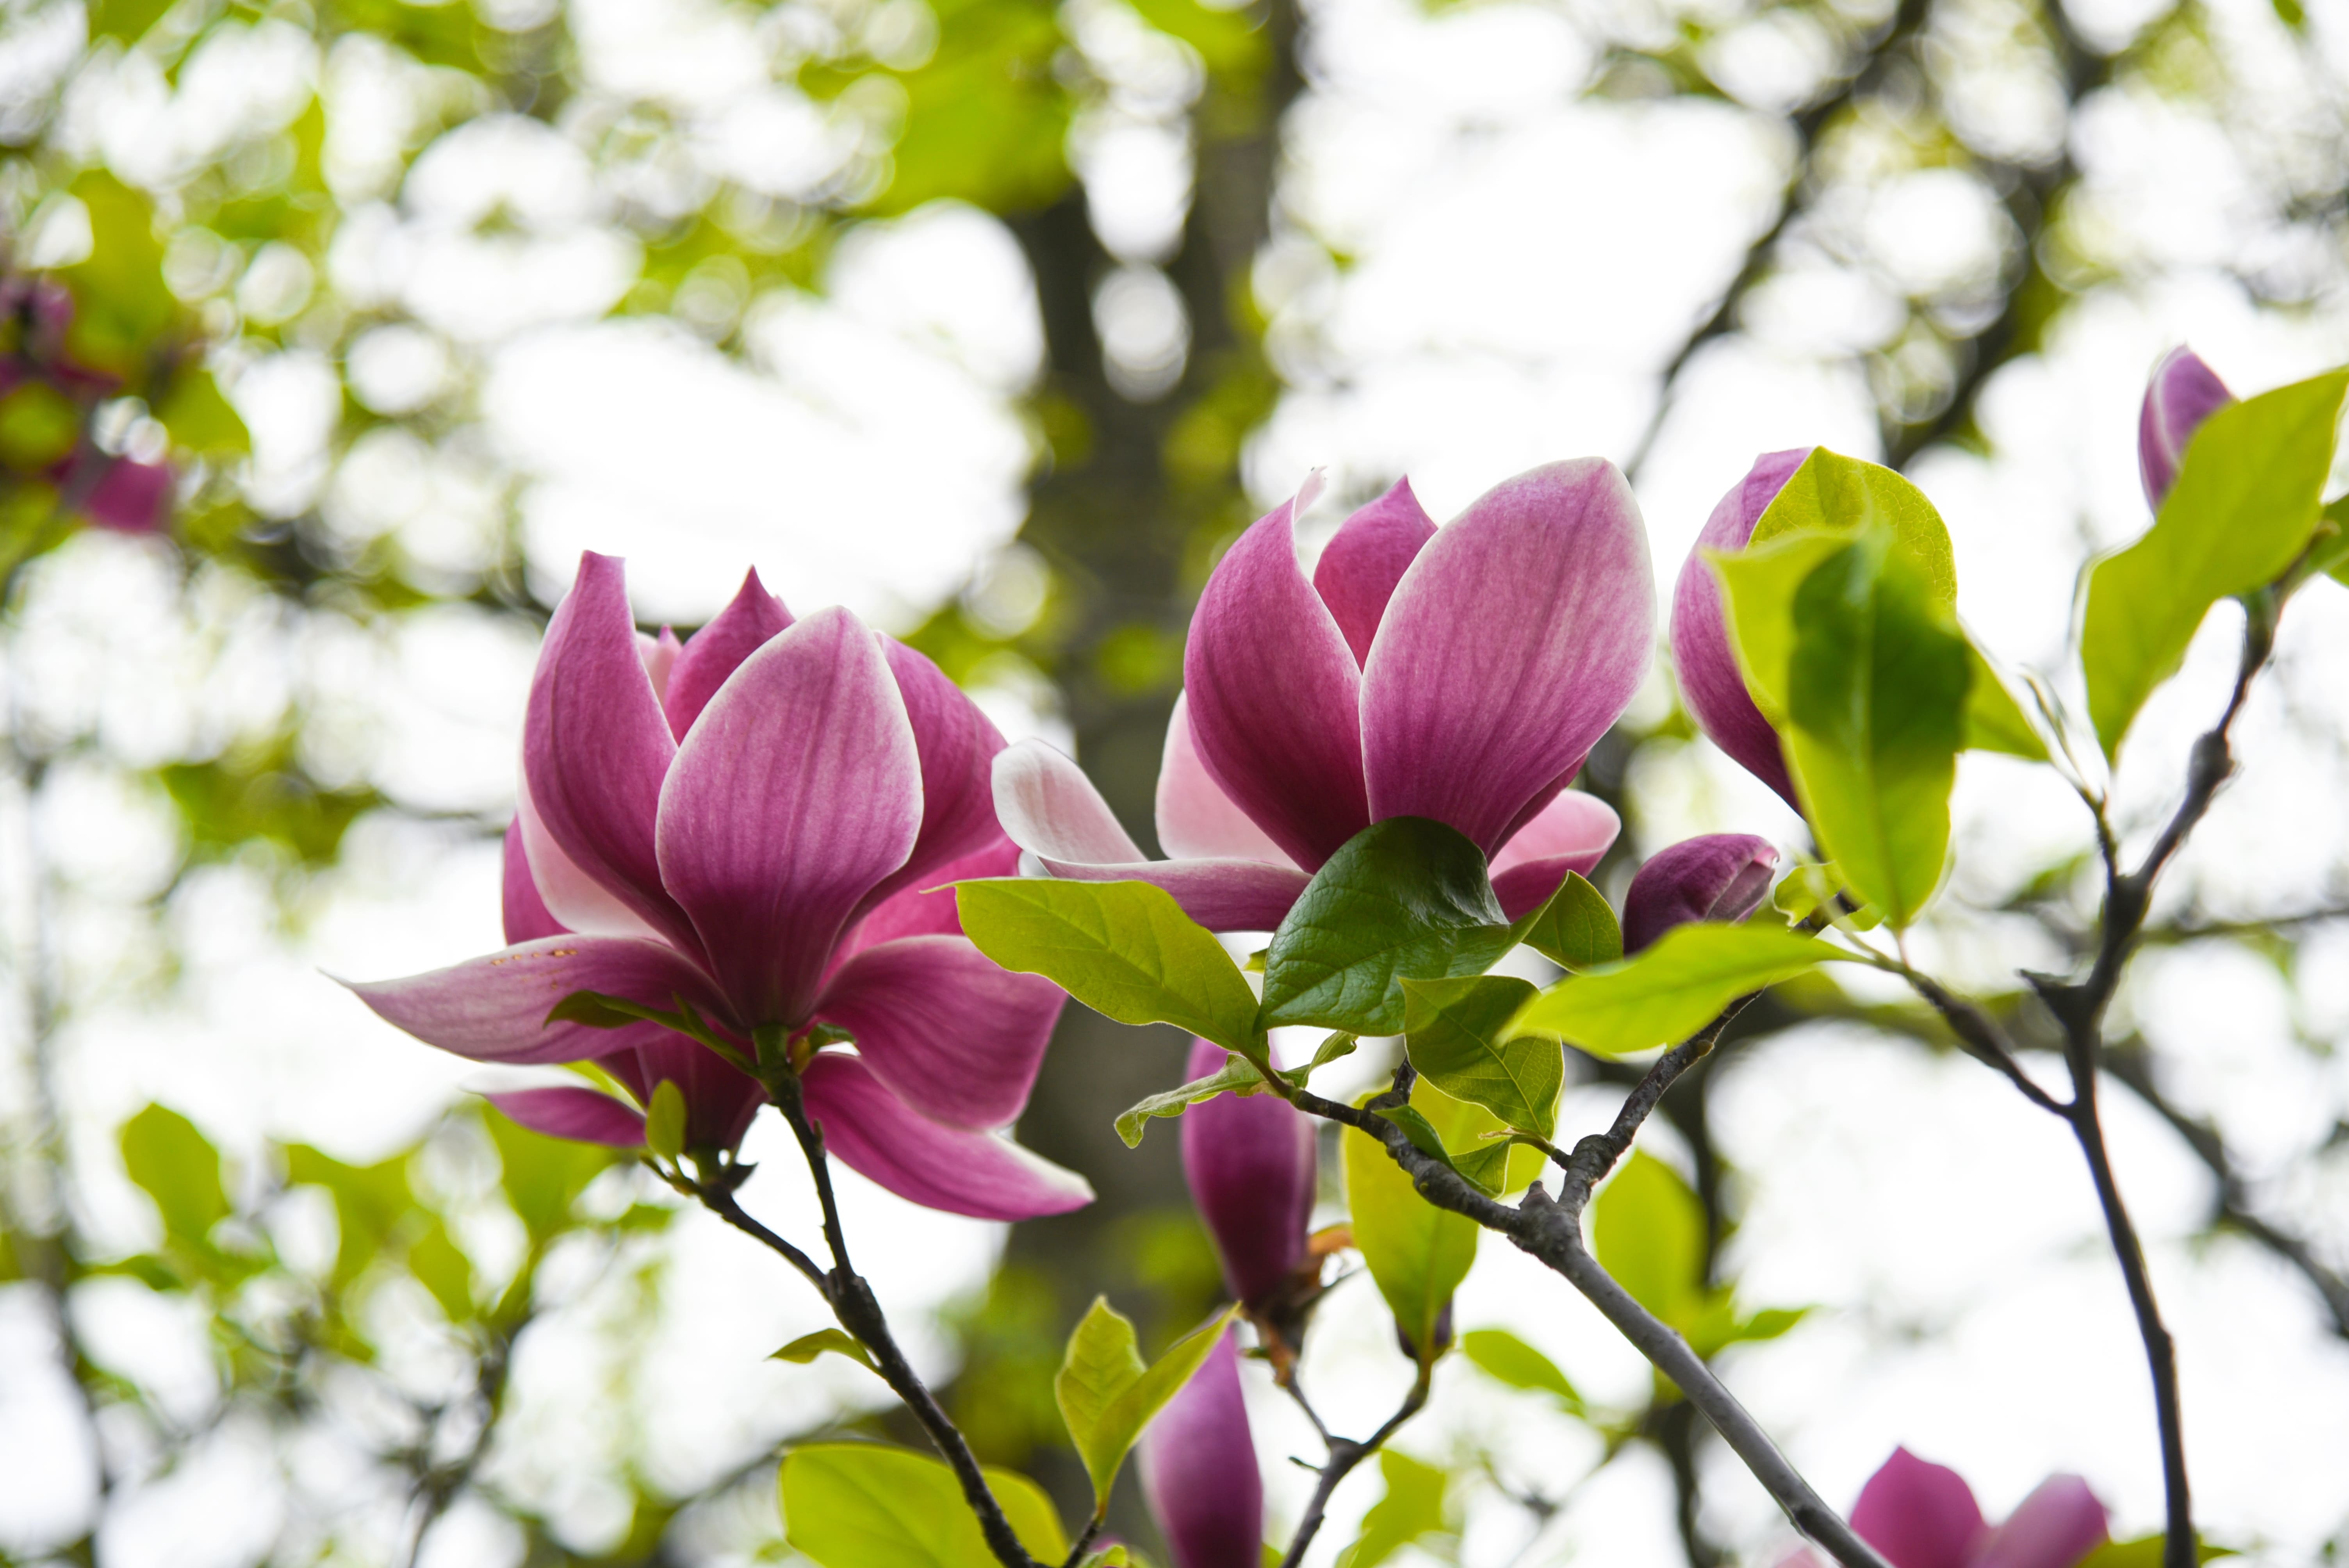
x: 1835, y: 494
x: 1237, y: 1076
x: 1107, y: 1396
x: 1647, y: 1229
x: 862, y: 1505
x: 1467, y: 1132
x: 2244, y: 504
x: 1124, y: 949
x: 1876, y: 695
x: 1995, y: 720
x: 1405, y: 897
x: 664, y: 1120
x: 176, y: 1166
x: 823, y: 1341
x: 1412, y: 1509
x: 1758, y: 587
x: 1459, y: 1037
x: 1576, y: 929
x: 1417, y: 1253
x: 1672, y: 989
x: 1505, y: 1358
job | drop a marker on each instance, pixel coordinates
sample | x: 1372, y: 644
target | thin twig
x: 1551, y: 1232
x: 1345, y: 1453
x: 859, y: 1312
x: 719, y: 1201
x: 1596, y: 1155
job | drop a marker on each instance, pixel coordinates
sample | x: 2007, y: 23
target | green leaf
x: 543, y: 1176
x: 1673, y: 988
x: 1467, y: 1130
x: 1459, y: 1037
x: 1405, y: 897
x: 1505, y: 1358
x: 808, y: 1346
x: 1647, y: 1229
x: 2244, y: 505
x: 1331, y: 1048
x: 126, y: 20
x: 1878, y: 694
x: 664, y: 1120
x: 1758, y: 586
x: 2145, y: 1551
x: 1417, y: 1253
x: 1574, y: 929
x: 1126, y: 949
x: 1994, y: 720
x: 1411, y: 1510
x: 176, y: 1166
x: 369, y: 1199
x: 861, y: 1505
x: 442, y: 1269
x: 1107, y: 1396
x: 199, y: 417
x: 2330, y: 553
x: 121, y: 308
x: 1835, y: 494
x: 1237, y: 1076
x: 39, y: 427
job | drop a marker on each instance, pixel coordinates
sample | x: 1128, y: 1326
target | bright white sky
x: 1523, y: 261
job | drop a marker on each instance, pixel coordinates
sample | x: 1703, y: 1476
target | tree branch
x: 1345, y: 1453
x: 1551, y: 1231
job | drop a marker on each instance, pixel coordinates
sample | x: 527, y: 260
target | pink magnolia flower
x: 1199, y: 1470
x: 2181, y: 393
x: 1460, y: 673
x: 743, y: 825
x: 130, y: 497
x: 1921, y: 1515
x: 1711, y: 683
x: 1250, y: 1166
x: 1717, y: 876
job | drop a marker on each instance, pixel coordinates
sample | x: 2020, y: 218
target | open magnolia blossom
x: 1460, y: 673
x: 1199, y: 1469
x: 1923, y: 1515
x: 743, y: 827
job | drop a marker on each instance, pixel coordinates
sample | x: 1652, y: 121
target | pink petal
x: 2058, y: 1524
x: 719, y: 1098
x: 1274, y: 696
x: 659, y: 655
x: 2182, y: 392
x: 1718, y: 876
x: 1918, y: 1515
x: 957, y: 744
x: 717, y: 650
x: 946, y: 1030
x: 1510, y: 647
x: 1199, y: 1469
x: 1572, y: 833
x: 493, y: 1009
x: 130, y: 497
x: 1249, y: 1163
x: 582, y: 1115
x: 576, y: 901
x: 526, y: 918
x: 596, y: 747
x: 982, y: 1174
x: 927, y: 910
x: 1711, y: 683
x: 795, y: 793
x: 1051, y: 809
x: 1366, y: 557
x: 1196, y: 820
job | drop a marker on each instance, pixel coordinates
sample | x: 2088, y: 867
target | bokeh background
x: 994, y: 320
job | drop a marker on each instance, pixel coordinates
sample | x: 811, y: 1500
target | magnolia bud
x: 1249, y: 1162
x: 1711, y: 683
x: 1198, y: 1466
x: 2182, y: 393
x: 1721, y: 876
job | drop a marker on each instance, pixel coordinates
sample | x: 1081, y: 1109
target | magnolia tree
x: 788, y: 863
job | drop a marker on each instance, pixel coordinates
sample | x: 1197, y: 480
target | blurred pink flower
x: 1923, y: 1515
x: 2181, y: 393
x: 744, y: 824
x: 1460, y: 673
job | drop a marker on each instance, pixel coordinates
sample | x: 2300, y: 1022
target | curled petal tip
x: 2182, y: 392
x: 1719, y: 876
